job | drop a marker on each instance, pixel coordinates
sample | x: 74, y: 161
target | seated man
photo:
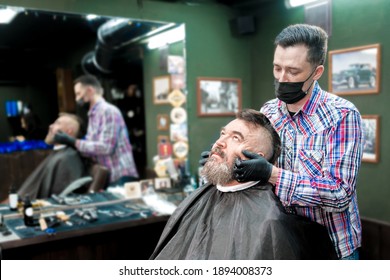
x: 60, y: 168
x: 225, y: 219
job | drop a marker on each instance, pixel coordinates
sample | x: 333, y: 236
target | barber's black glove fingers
x: 62, y: 138
x: 250, y: 155
x: 204, y: 157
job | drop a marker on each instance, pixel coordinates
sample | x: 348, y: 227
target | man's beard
x: 218, y: 173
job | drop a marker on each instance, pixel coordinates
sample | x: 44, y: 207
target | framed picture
x: 133, y: 190
x: 162, y: 122
x: 161, y: 89
x: 162, y: 183
x: 355, y: 70
x: 218, y: 96
x: 370, y: 126
x: 162, y: 139
x: 147, y: 186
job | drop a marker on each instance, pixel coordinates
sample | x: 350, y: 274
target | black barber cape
x: 247, y: 224
x: 53, y: 174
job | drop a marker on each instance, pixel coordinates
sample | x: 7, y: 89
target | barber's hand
x: 62, y: 138
x: 256, y: 168
x: 204, y: 157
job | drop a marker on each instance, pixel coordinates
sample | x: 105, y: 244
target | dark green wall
x: 355, y: 23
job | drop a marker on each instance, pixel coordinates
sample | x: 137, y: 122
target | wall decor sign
x: 370, y: 124
x: 180, y: 149
x: 178, y: 115
x: 176, y: 64
x: 176, y: 98
x: 218, y: 96
x: 355, y: 70
x: 161, y: 89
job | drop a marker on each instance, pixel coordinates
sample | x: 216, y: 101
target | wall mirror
x: 41, y: 52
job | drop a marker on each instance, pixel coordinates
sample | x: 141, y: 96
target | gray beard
x: 217, y: 173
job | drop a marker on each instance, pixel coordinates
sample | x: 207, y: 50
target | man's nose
x: 221, y: 142
x: 282, y: 77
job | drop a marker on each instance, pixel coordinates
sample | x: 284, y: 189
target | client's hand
x: 256, y: 168
x: 62, y: 138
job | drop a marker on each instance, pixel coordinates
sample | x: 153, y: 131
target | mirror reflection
x: 42, y: 52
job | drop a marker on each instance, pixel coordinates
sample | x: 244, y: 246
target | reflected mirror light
x: 166, y: 38
x: 296, y: 3
x: 7, y: 14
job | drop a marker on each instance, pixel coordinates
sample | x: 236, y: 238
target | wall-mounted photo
x: 161, y: 89
x: 370, y: 126
x: 218, y: 96
x: 355, y: 70
x: 162, y: 122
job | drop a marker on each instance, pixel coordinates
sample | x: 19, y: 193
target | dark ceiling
x: 37, y: 42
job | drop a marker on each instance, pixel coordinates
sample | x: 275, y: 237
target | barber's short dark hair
x: 260, y: 120
x: 313, y: 37
x: 89, y: 80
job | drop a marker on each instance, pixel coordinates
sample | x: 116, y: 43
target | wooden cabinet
x: 66, y: 97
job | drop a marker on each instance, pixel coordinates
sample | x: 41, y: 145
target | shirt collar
x: 95, y: 106
x: 238, y: 187
x: 59, y: 147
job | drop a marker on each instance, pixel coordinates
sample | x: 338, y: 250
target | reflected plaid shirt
x: 107, y: 141
x: 321, y: 154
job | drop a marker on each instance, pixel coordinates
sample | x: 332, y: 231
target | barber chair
x: 97, y: 181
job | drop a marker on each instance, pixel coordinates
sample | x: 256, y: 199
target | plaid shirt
x: 322, y: 147
x: 107, y: 141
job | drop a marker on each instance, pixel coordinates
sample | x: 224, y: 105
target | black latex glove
x: 204, y: 156
x: 256, y: 168
x: 62, y: 138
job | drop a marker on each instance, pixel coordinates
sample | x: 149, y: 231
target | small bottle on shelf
x: 28, y: 212
x: 13, y: 198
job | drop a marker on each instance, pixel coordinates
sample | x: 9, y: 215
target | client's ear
x: 261, y: 154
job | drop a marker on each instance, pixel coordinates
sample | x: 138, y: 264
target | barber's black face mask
x: 82, y: 104
x: 291, y: 92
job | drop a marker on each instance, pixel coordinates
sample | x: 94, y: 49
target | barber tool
x: 42, y: 223
x: 88, y: 214
x: 58, y: 199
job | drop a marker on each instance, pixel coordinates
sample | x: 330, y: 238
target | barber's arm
x: 105, y: 138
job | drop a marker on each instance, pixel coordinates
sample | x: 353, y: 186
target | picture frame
x: 162, y: 139
x: 161, y: 89
x: 218, y: 96
x: 355, y: 70
x: 371, y: 132
x: 162, y: 183
x: 163, y: 121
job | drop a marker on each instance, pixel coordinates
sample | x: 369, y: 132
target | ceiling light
x: 296, y: 3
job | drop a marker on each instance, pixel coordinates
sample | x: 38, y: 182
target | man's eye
x: 236, y: 138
